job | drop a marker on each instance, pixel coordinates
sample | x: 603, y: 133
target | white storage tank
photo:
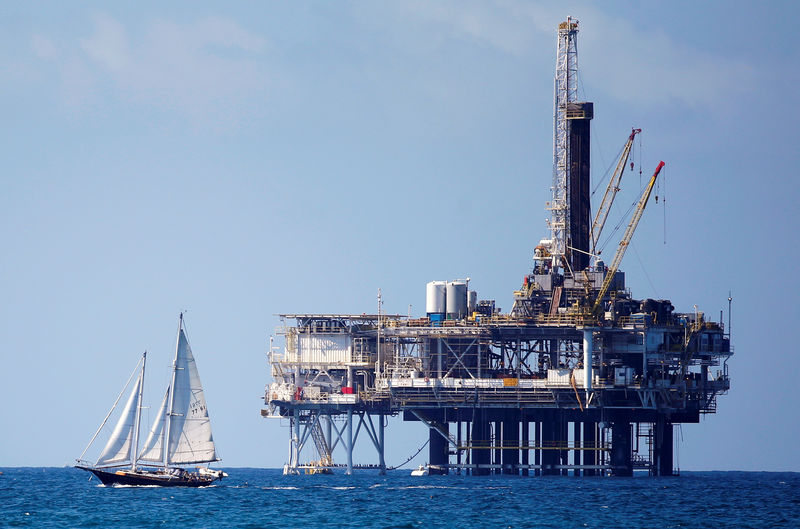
x: 435, y: 298
x: 472, y: 302
x: 456, y: 299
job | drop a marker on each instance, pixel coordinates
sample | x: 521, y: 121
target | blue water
x: 255, y: 498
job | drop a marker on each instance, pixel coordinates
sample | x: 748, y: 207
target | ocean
x: 261, y: 498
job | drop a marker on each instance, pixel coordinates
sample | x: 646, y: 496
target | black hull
x: 145, y: 478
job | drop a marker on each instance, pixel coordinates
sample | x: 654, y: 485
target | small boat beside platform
x: 422, y: 470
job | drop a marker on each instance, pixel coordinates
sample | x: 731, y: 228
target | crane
x: 611, y: 192
x: 626, y: 238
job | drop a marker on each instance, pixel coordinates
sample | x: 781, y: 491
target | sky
x: 237, y: 162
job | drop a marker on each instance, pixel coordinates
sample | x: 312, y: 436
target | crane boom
x: 626, y: 238
x: 611, y: 192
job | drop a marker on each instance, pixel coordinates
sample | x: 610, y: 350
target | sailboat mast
x: 172, y: 394
x: 135, y: 444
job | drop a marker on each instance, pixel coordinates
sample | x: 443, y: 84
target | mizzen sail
x: 119, y: 448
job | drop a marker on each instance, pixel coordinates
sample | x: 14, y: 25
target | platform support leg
x: 621, y: 463
x: 537, y: 441
x: 510, y: 442
x: 437, y: 451
x: 458, y: 448
x: 349, y: 440
x: 576, y: 444
x: 589, y: 445
x: 329, y: 430
x: 526, y: 453
x: 294, y: 447
x: 480, y: 452
x: 381, y: 446
x: 563, y: 441
x: 662, y: 452
x: 550, y: 455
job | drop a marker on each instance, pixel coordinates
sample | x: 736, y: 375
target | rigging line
x: 125, y: 387
x: 621, y: 221
x: 644, y: 269
x: 641, y: 160
x: 664, y: 205
x: 624, y: 218
x: 410, y: 458
x: 608, y: 170
x: 595, y: 145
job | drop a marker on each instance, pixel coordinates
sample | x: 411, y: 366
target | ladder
x: 645, y: 431
x: 325, y: 457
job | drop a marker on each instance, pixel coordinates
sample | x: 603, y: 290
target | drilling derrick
x: 579, y: 377
x: 570, y: 205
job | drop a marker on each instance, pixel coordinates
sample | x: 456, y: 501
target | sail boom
x: 194, y: 462
x: 115, y: 465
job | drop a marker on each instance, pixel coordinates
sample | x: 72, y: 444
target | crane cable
x: 664, y: 205
x: 631, y: 244
x: 607, y: 171
x: 623, y: 219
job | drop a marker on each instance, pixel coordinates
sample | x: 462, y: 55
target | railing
x: 566, y: 319
x: 454, y: 395
x: 542, y: 445
x: 635, y: 320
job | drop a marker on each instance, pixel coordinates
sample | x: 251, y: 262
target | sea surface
x: 255, y: 498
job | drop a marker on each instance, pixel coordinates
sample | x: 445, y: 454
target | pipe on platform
x: 588, y: 346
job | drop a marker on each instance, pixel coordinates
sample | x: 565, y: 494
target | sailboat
x: 180, y: 434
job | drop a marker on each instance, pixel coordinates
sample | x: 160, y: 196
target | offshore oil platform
x: 578, y: 377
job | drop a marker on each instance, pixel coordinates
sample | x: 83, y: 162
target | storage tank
x: 472, y: 302
x: 435, y: 298
x: 456, y: 298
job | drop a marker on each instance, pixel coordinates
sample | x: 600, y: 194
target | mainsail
x: 190, y: 439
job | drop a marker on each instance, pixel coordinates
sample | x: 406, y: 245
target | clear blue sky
x: 248, y: 160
